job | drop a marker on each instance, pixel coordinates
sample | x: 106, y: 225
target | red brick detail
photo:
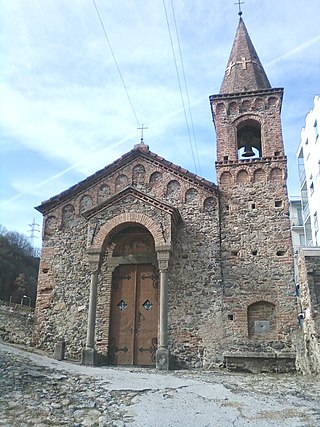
x: 129, y: 217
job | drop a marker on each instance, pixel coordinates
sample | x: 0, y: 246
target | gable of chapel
x: 171, y: 209
x: 140, y: 169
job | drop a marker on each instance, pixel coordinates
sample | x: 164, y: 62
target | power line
x: 179, y: 83
x: 186, y: 87
x: 116, y: 63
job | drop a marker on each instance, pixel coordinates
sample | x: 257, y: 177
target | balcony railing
x: 302, y: 176
x: 296, y: 221
x: 306, y: 211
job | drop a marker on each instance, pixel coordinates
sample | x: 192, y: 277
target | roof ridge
x: 127, y: 157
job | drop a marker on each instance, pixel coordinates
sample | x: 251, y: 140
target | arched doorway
x: 134, y: 310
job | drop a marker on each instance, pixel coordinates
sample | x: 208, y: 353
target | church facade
x: 144, y: 263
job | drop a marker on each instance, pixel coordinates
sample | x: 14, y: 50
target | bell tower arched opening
x: 249, y: 140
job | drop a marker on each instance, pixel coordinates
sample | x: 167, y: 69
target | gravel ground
x: 38, y: 391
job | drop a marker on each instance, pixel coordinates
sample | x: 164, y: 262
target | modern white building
x: 297, y: 230
x: 308, y: 156
x: 297, y: 224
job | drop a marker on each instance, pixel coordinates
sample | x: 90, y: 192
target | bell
x: 248, y: 151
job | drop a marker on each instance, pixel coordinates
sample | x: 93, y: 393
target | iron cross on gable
x: 142, y: 129
x: 239, y: 5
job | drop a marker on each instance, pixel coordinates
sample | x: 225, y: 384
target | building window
x: 302, y: 240
x: 299, y: 214
x: 308, y: 231
x: 316, y: 130
x: 316, y: 226
x: 311, y: 188
x: 302, y: 172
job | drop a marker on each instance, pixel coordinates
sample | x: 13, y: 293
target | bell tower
x: 256, y: 251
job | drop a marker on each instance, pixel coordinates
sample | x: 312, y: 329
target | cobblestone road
x: 39, y: 391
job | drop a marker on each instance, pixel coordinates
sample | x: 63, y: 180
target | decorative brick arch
x: 265, y: 312
x: 248, y: 118
x: 138, y: 218
x: 261, y: 297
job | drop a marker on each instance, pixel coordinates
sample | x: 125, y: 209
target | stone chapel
x: 144, y: 263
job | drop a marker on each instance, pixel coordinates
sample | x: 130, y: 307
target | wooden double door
x: 134, y: 315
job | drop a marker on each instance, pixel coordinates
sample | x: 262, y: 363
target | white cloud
x: 295, y: 52
x: 62, y: 98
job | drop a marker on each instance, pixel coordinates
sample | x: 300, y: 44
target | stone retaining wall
x: 16, y: 323
x: 308, y: 349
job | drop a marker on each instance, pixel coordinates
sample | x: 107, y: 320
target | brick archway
x: 137, y: 218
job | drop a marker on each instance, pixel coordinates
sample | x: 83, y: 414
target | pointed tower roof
x: 244, y: 72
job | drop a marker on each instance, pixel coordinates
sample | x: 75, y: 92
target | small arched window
x: 155, y: 176
x: 173, y: 188
x: 249, y: 140
x: 226, y: 178
x: 208, y: 204
x: 50, y: 225
x: 262, y: 321
x: 85, y: 203
x: 68, y: 215
x: 138, y: 175
x: 191, y: 195
x: 103, y: 192
x: 121, y: 182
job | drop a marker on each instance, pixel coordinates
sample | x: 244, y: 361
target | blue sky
x: 64, y: 113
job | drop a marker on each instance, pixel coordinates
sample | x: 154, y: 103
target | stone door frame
x: 161, y: 261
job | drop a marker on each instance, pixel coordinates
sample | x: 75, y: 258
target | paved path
x: 38, y: 391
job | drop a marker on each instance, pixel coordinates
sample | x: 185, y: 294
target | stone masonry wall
x: 256, y: 250
x: 63, y: 290
x: 256, y: 257
x: 308, y: 351
x: 16, y: 323
x: 194, y: 269
x: 195, y: 288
